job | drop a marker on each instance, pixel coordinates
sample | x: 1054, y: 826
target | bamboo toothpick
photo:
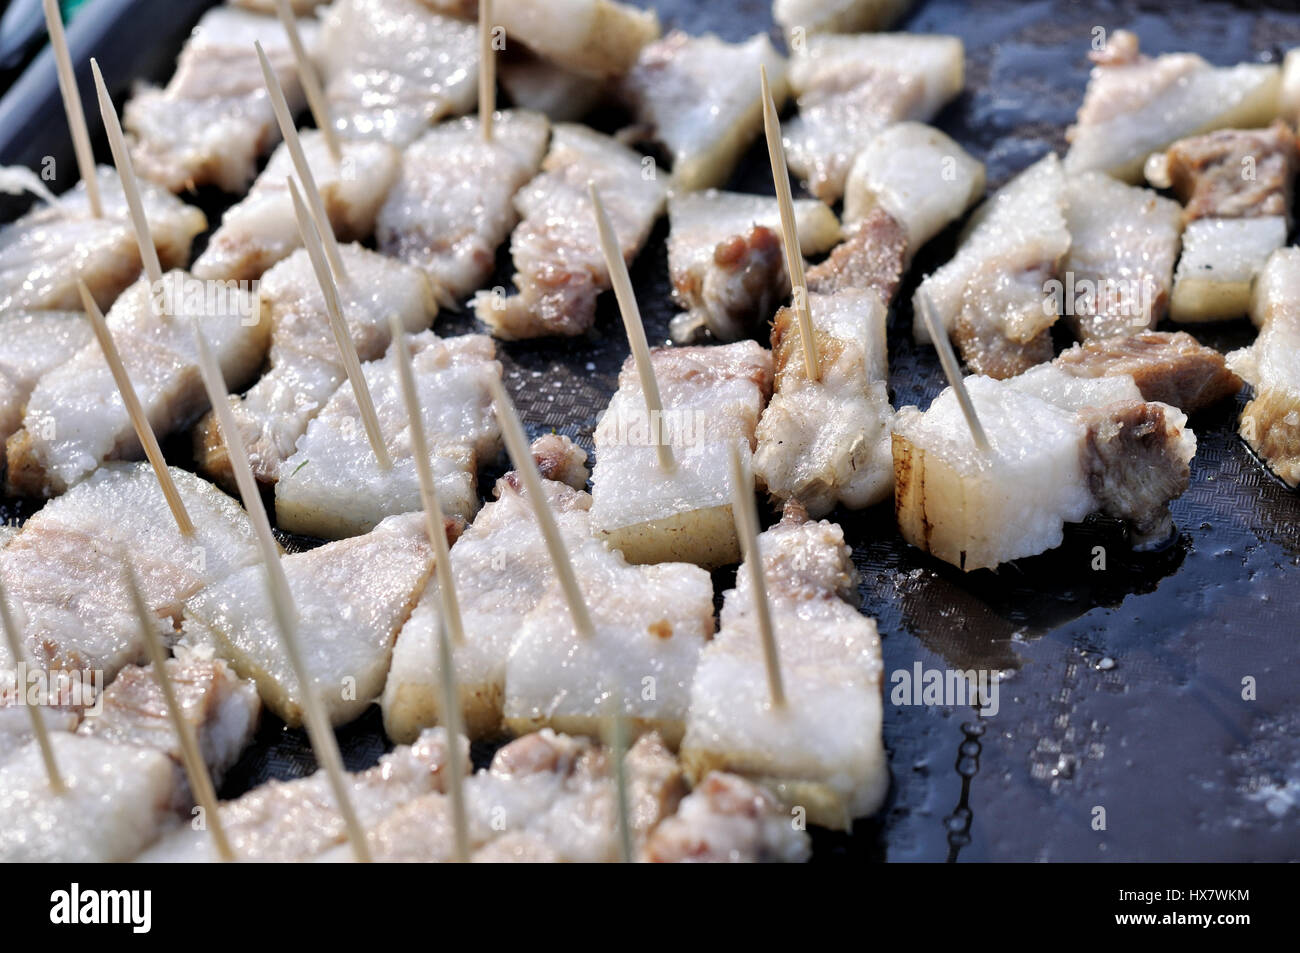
x: 319, y: 730
x: 951, y: 369
x: 487, y: 70
x: 434, y: 520
x: 342, y: 339
x: 196, y: 770
x: 14, y: 638
x: 618, y: 746
x: 746, y: 517
x: 294, y: 144
x: 636, y: 338
x: 512, y: 432
x: 72, y: 107
x: 310, y: 81
x: 790, y: 231
x: 126, y: 172
x: 139, y: 420
x: 452, y: 723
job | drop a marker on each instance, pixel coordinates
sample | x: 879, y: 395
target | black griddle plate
x: 1123, y: 687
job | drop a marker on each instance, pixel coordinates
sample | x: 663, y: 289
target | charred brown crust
x: 1173, y: 368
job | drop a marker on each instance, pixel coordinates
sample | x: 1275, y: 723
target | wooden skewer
x: 451, y: 721
x: 434, y: 520
x: 952, y: 370
x: 294, y: 144
x: 636, y: 338
x: 319, y: 730
x: 746, y: 517
x: 126, y: 172
x: 512, y: 432
x: 72, y: 106
x: 334, y: 309
x: 310, y: 81
x: 790, y: 231
x: 618, y: 748
x: 134, y: 410
x: 14, y: 638
x: 487, y: 70
x: 449, y: 619
x: 205, y: 793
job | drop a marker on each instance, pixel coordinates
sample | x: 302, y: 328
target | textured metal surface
x: 1123, y: 686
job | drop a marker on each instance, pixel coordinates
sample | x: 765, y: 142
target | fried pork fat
x: 712, y: 398
x: 992, y: 298
x: 726, y: 259
x: 75, y: 419
x: 1270, y: 423
x: 351, y: 598
x: 262, y: 229
x: 213, y: 121
x: 306, y: 367
x: 65, y: 566
x: 44, y: 253
x: 1089, y: 432
x: 823, y: 750
x: 798, y: 18
x: 827, y: 441
x: 333, y: 486
x: 849, y: 88
x: 453, y: 204
x: 597, y: 38
x: 1136, y: 105
x: 701, y: 98
x: 501, y: 571
x: 32, y: 343
x: 556, y: 248
x: 392, y: 68
x: 1237, y: 186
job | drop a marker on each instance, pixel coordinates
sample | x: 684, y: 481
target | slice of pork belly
x: 305, y: 365
x: 1231, y: 173
x: 214, y: 120
x: 700, y: 97
x: 597, y: 38
x: 288, y: 821
x: 392, y: 68
x: 1172, y: 368
x: 1062, y: 447
x: 32, y: 343
x: 262, y: 229
x: 849, y: 88
x: 119, y: 800
x: 1136, y: 105
x: 798, y: 18
x: 827, y: 442
x: 1270, y: 423
x: 823, y: 751
x: 918, y: 175
x: 45, y: 253
x: 220, y: 707
x: 726, y: 258
x: 556, y: 248
x: 1221, y: 258
x: 728, y: 820
x: 333, y: 486
x: 453, y: 204
x: 993, y: 297
x: 872, y: 257
x: 712, y: 399
x: 501, y: 571
x: 75, y: 419
x: 1119, y: 270
x: 65, y: 568
x: 351, y: 597
x: 650, y: 622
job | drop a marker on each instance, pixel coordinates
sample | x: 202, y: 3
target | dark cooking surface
x: 1122, y: 686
